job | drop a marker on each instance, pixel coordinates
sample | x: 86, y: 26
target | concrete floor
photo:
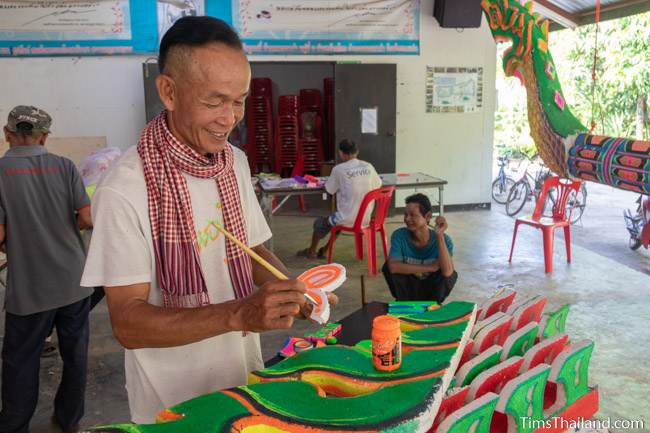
x: 610, y: 304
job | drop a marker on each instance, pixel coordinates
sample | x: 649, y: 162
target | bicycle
x: 503, y: 183
x: 637, y: 223
x: 575, y: 205
x: 525, y: 189
x: 576, y: 202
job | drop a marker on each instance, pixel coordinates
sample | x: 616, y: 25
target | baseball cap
x: 37, y: 118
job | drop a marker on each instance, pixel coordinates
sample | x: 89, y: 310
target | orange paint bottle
x: 386, y: 343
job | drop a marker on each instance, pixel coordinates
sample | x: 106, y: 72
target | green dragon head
x: 512, y: 21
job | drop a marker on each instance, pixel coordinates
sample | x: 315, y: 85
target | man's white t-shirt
x: 351, y: 181
x: 121, y: 253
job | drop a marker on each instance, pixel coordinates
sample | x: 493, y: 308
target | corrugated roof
x: 572, y: 13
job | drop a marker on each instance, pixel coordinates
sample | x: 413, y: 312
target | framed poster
x: 336, y: 27
x: 77, y: 28
x: 453, y: 89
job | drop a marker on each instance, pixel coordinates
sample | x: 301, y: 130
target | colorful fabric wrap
x: 178, y: 267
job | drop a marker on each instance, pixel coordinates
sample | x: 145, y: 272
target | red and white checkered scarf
x: 178, y: 267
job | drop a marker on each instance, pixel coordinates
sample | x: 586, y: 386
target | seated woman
x: 420, y: 265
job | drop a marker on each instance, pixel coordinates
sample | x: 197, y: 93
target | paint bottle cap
x: 302, y: 345
x: 385, y: 323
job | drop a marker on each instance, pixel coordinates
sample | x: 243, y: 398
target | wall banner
x: 335, y: 27
x: 103, y: 27
x: 77, y: 28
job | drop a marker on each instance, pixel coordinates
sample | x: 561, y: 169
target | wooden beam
x: 556, y: 13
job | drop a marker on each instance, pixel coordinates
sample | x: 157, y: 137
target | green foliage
x: 511, y: 131
x: 623, y: 71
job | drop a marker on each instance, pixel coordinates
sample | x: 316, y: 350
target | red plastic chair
x: 560, y: 218
x: 381, y: 198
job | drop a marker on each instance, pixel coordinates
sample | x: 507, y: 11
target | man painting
x: 182, y: 298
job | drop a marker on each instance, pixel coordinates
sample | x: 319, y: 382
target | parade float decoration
x: 514, y: 371
x: 564, y: 144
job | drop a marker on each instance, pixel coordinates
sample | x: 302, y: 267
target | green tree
x: 511, y: 130
x: 623, y: 74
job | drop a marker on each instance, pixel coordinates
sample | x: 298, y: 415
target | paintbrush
x: 259, y: 259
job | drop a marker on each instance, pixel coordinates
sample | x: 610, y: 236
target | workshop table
x: 271, y: 189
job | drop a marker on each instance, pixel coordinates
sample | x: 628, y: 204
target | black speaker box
x: 458, y: 13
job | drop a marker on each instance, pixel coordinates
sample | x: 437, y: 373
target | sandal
x: 305, y: 253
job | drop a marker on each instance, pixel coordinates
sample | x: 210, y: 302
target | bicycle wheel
x: 517, y: 197
x: 549, y: 203
x: 501, y: 189
x: 577, y: 201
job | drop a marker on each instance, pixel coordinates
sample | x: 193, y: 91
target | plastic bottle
x: 386, y: 343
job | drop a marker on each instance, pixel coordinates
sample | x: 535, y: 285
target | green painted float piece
x: 428, y: 337
x: 570, y: 372
x: 354, y: 362
x: 365, y: 345
x: 518, y: 343
x: 410, y: 304
x: 472, y: 368
x: 210, y: 413
x: 390, y: 403
x: 392, y: 408
x: 446, y: 313
x: 554, y: 322
x: 523, y: 399
x: 435, y: 335
x: 474, y: 417
x: 324, y: 332
x: 214, y: 413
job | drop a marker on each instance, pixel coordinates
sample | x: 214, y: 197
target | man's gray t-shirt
x: 39, y: 194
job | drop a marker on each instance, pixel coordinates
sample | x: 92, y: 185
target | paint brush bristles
x: 259, y: 259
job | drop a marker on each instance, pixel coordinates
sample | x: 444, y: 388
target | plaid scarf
x: 170, y: 211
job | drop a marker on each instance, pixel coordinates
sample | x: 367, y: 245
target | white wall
x: 88, y: 96
x: 105, y: 96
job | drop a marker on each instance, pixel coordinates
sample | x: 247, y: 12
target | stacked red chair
x: 330, y: 146
x: 286, y: 134
x: 288, y: 105
x: 288, y: 159
x: 310, y: 113
x: 259, y: 115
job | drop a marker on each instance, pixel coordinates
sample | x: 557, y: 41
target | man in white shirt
x: 182, y: 299
x: 350, y: 180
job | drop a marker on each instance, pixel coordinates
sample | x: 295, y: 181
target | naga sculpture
x: 562, y: 141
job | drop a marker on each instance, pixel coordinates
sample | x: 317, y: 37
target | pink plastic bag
x: 94, y: 165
